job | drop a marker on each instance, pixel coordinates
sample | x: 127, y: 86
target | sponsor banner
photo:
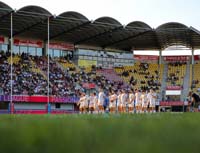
x: 176, y: 58
x: 145, y: 57
x: 31, y: 43
x: 40, y: 99
x: 173, y: 88
x: 196, y: 57
x: 61, y: 46
x: 64, y: 99
x: 88, y: 85
x: 37, y: 44
x: 2, y: 40
x: 171, y: 103
x: 86, y: 63
x: 1, y: 98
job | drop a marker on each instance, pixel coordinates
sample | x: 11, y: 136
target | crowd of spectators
x: 69, y: 81
x: 178, y: 63
x: 62, y: 82
x: 4, y: 74
x: 172, y: 78
x: 144, y: 66
x: 25, y: 81
x: 151, y: 78
x: 195, y: 84
x: 100, y: 79
x: 175, y: 77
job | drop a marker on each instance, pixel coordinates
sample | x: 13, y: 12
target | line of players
x: 132, y: 102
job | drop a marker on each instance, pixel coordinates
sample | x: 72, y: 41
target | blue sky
x: 153, y: 12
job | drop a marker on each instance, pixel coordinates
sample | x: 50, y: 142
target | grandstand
x: 196, y: 80
x: 176, y: 73
x: 142, y: 75
x: 46, y: 61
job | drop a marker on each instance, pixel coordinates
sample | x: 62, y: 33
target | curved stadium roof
x: 104, y: 32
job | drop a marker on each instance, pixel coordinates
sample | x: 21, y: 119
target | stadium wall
x: 41, y: 108
x: 34, y: 106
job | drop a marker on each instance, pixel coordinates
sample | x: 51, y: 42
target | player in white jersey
x: 101, y: 98
x: 119, y: 102
x: 137, y: 101
x: 96, y: 108
x: 82, y: 103
x: 131, y: 101
x: 93, y: 101
x: 112, y: 102
x: 87, y: 98
x: 144, y: 101
x: 151, y: 96
x: 123, y: 101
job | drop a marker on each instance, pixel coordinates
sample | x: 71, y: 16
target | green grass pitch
x: 145, y: 133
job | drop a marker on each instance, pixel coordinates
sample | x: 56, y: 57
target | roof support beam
x: 190, y: 38
x: 31, y: 26
x: 98, y: 35
x: 157, y: 40
x: 6, y: 15
x: 69, y: 30
x: 124, y: 39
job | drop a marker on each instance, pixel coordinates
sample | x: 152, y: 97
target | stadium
x: 70, y: 84
x: 48, y: 60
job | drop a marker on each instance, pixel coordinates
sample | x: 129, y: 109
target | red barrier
x: 2, y: 40
x: 176, y: 58
x: 39, y: 99
x: 32, y: 43
x: 173, y: 88
x: 196, y: 57
x: 61, y: 46
x: 88, y: 85
x: 146, y: 57
x: 171, y: 103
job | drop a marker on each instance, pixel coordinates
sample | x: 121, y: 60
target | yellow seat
x: 139, y: 77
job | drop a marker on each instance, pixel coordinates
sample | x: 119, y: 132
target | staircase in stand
x: 186, y: 85
x: 164, y: 80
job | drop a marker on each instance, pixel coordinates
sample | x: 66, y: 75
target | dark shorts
x: 196, y: 105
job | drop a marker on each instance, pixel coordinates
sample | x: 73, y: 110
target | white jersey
x: 151, y: 98
x: 137, y: 98
x: 82, y: 101
x: 87, y: 98
x: 101, y: 98
x: 119, y: 99
x: 131, y: 99
x: 112, y: 100
x: 93, y: 100
x: 143, y: 99
x: 123, y: 99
